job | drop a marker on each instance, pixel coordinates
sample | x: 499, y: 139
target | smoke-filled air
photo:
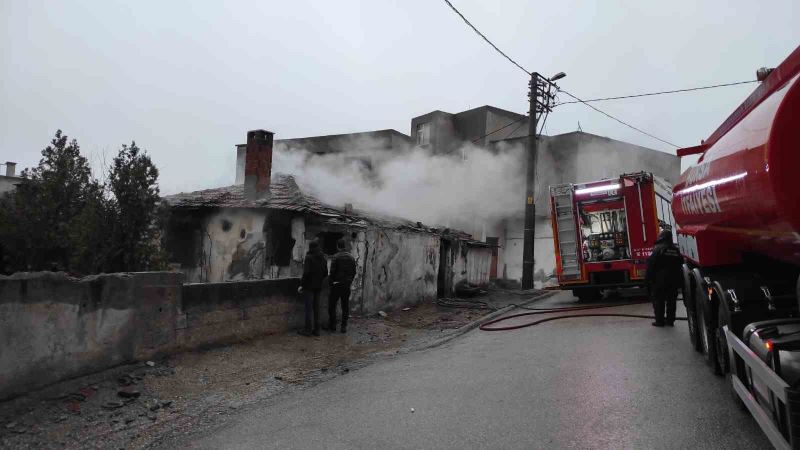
x: 465, y: 187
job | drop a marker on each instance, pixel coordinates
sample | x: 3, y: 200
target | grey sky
x: 186, y: 80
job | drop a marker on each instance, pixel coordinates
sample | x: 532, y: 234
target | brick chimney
x: 258, y: 164
x: 11, y: 169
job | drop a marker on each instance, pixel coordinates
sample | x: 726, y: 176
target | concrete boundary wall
x: 54, y: 327
x: 213, y: 313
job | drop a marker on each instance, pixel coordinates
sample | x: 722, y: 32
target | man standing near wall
x: 315, y: 269
x: 343, y: 270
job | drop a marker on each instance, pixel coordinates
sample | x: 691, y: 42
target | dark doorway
x: 445, y: 269
x: 493, y: 241
x: 328, y: 241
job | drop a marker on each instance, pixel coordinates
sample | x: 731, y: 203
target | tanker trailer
x: 737, y: 214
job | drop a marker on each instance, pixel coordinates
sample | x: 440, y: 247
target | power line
x: 577, y: 100
x: 514, y: 130
x: 500, y: 129
x: 484, y: 37
x: 658, y: 93
x: 561, y: 90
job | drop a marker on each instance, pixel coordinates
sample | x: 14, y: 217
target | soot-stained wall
x: 234, y: 245
x: 401, y: 268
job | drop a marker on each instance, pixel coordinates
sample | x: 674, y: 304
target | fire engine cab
x: 603, y: 231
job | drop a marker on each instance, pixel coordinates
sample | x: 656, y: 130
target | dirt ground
x: 133, y: 406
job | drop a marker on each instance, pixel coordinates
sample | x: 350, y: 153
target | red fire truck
x: 738, y: 228
x: 603, y: 231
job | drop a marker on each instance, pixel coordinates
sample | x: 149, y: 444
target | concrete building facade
x: 444, y: 132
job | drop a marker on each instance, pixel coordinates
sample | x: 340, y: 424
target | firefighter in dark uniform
x: 343, y: 270
x: 664, y: 278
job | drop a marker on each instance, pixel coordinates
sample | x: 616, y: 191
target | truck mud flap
x: 781, y: 422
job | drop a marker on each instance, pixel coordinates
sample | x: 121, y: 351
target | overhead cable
x: 658, y: 93
x: 561, y: 90
x: 618, y: 120
x: 500, y: 129
x: 484, y: 37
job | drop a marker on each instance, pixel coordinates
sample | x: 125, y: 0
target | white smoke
x: 462, y: 189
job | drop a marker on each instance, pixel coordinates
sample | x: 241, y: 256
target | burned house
x: 261, y: 229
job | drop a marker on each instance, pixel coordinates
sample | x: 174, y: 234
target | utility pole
x: 540, y: 94
x: 530, y: 185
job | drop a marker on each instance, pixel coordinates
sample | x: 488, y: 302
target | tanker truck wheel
x: 708, y: 331
x: 691, y: 309
x: 723, y: 318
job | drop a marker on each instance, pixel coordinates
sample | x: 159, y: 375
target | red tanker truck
x: 737, y: 212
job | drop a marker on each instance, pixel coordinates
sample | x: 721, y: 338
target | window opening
x: 283, y: 243
x: 423, y: 133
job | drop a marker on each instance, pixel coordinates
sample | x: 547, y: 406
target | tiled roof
x: 284, y: 194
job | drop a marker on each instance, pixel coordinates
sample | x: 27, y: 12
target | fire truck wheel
x: 587, y: 294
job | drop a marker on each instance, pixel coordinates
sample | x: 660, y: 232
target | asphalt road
x: 575, y: 383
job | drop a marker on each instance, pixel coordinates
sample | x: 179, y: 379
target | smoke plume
x: 461, y: 189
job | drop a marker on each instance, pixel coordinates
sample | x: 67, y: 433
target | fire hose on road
x: 539, y: 311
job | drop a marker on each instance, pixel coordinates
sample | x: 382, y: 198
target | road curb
x: 476, y: 323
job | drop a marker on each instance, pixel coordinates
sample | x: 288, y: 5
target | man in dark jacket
x: 664, y: 278
x: 343, y: 270
x: 315, y: 269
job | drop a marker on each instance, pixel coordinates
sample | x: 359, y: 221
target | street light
x: 558, y: 76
